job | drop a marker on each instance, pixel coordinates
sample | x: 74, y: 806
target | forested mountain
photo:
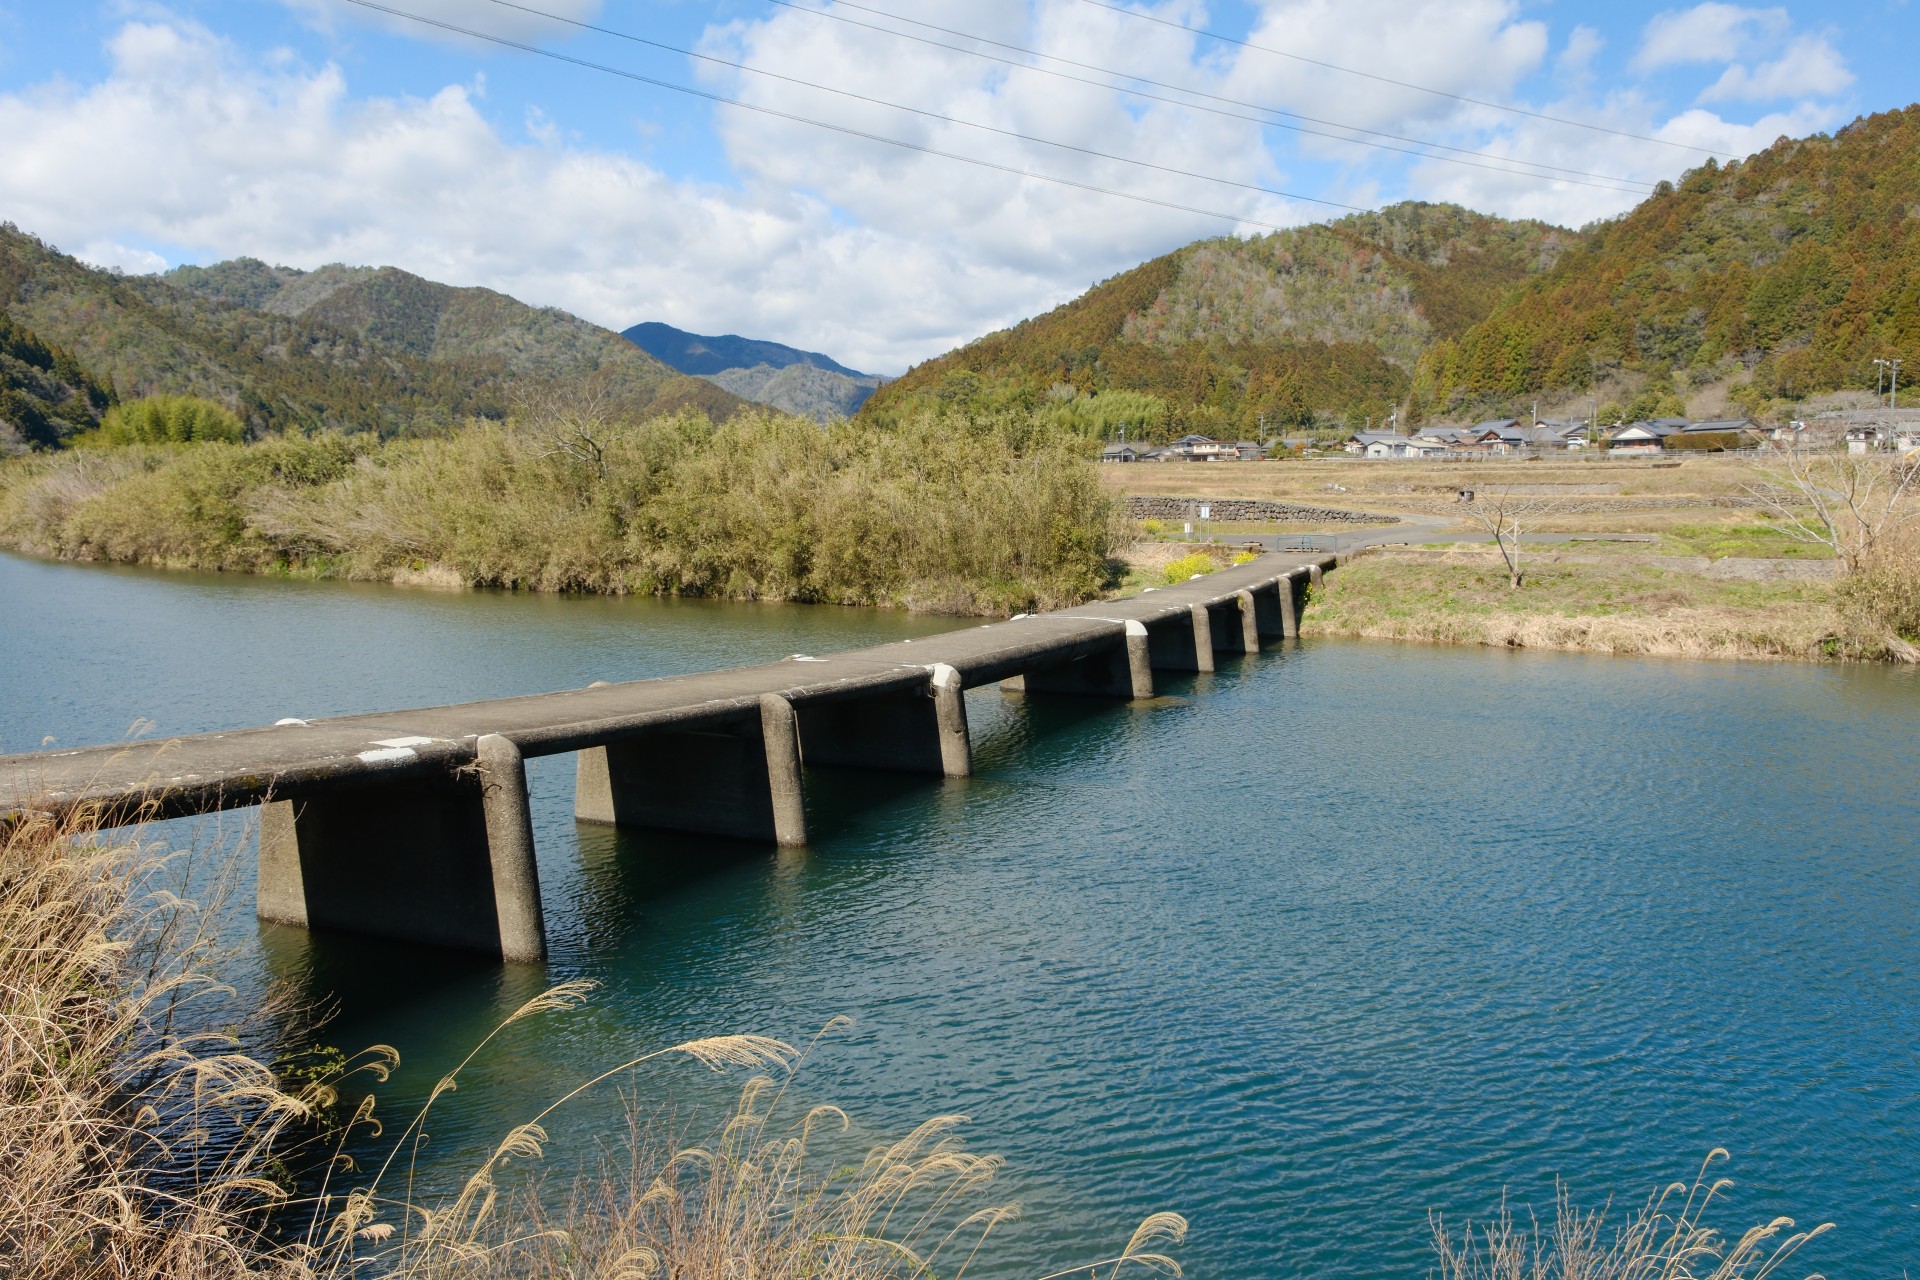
x: 1226, y: 334
x: 45, y: 396
x: 771, y: 373
x: 346, y: 348
x: 1800, y: 264
x: 699, y: 353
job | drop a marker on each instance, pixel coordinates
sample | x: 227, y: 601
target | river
x: 1338, y: 935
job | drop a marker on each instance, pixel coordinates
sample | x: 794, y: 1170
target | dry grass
x: 1375, y: 484
x: 1669, y: 1238
x: 1594, y: 608
x: 137, y: 1142
x: 134, y: 1140
x: 943, y: 514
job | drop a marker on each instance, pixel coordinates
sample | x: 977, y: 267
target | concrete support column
x: 412, y: 860
x: 516, y: 873
x: 1123, y: 671
x: 1289, y: 588
x: 780, y: 731
x: 950, y: 711
x: 1139, y: 660
x: 1249, y: 622
x: 740, y: 779
x: 1315, y: 574
x: 1202, y: 638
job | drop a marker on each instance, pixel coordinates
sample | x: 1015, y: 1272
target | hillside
x: 1226, y: 334
x: 1794, y: 268
x: 345, y: 348
x: 802, y: 382
x: 45, y: 396
x: 801, y: 389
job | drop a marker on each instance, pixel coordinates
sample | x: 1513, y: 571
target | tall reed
x: 1668, y: 1238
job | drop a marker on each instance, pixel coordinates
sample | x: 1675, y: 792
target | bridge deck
x: 202, y: 772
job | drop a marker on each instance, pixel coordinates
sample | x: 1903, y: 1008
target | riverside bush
x: 941, y: 512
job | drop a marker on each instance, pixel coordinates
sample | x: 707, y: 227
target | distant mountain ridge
x: 342, y: 348
x: 771, y: 373
x: 699, y: 353
x: 1232, y: 336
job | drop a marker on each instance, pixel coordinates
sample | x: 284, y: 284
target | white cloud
x: 1576, y: 60
x: 112, y: 255
x: 1809, y: 68
x: 1711, y: 32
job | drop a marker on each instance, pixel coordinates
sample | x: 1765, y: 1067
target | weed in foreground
x: 1669, y: 1238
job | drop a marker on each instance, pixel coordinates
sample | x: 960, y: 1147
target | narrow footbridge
x: 415, y: 824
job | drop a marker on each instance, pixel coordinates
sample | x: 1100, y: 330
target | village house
x: 1197, y: 448
x: 1120, y: 452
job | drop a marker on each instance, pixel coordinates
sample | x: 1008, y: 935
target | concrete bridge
x: 431, y: 804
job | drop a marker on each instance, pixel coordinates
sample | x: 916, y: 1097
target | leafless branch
x: 1848, y: 503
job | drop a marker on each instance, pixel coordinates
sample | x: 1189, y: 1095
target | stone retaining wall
x: 1235, y: 509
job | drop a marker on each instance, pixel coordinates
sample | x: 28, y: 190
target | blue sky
x: 144, y: 134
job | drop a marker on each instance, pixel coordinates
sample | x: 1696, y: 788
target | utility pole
x: 1893, y: 386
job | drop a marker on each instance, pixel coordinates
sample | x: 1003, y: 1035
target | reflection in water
x: 1331, y: 937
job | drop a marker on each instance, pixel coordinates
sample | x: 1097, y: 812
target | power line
x: 722, y: 99
x: 1438, y: 93
x: 1577, y: 174
x: 895, y: 106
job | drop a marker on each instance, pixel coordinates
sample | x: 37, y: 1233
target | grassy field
x: 1358, y: 484
x: 1600, y: 608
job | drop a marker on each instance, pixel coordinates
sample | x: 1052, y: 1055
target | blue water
x: 1339, y: 935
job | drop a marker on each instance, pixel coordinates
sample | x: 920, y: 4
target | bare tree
x: 578, y: 419
x: 1852, y: 504
x: 1507, y: 515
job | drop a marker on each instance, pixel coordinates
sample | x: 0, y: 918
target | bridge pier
x: 1122, y: 671
x: 919, y: 729
x: 739, y: 779
x: 1273, y: 611
x: 446, y: 861
x: 1249, y: 621
x: 1292, y: 596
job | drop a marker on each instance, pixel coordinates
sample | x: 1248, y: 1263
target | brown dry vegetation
x: 1668, y: 1238
x: 1379, y: 485
x: 1598, y: 607
x: 936, y: 513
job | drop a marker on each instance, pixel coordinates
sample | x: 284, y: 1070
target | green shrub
x: 169, y: 420
x: 1153, y: 528
x: 1187, y: 566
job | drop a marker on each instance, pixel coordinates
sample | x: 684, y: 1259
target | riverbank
x: 1592, y: 605
x: 940, y: 514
